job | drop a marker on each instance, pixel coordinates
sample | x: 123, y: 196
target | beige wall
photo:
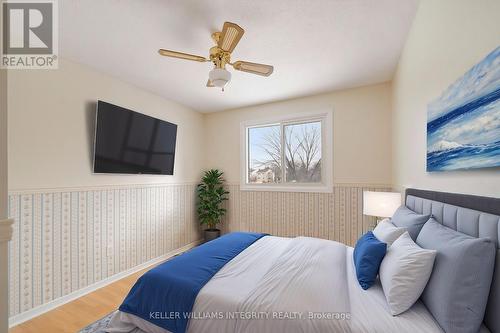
x: 448, y: 37
x: 3, y: 201
x: 3, y: 144
x: 51, y: 117
x: 361, y: 154
x: 87, y: 228
x: 361, y: 134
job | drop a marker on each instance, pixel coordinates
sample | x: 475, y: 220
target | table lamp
x: 380, y: 204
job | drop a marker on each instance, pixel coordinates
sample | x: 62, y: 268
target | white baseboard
x: 27, y: 315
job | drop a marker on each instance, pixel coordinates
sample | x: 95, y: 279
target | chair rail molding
x: 6, y: 230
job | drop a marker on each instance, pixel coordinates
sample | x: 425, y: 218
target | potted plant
x: 211, y: 196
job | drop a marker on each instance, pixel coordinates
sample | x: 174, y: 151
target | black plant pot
x: 211, y: 234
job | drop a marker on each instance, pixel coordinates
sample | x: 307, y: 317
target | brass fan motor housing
x: 220, y: 54
x: 219, y: 57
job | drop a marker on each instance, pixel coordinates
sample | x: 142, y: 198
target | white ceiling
x: 315, y: 45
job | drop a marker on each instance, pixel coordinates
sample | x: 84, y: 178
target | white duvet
x: 290, y: 285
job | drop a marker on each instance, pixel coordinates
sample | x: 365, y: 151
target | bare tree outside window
x: 303, y: 152
x: 300, y: 151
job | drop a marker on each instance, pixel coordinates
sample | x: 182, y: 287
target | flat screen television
x: 128, y: 142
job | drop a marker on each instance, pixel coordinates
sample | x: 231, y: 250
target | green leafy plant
x: 211, y: 196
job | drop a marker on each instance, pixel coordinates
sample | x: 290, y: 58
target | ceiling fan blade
x: 209, y: 84
x: 230, y: 36
x: 254, y: 68
x: 180, y: 55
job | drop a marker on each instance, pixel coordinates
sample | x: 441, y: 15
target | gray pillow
x: 406, y: 218
x: 458, y: 289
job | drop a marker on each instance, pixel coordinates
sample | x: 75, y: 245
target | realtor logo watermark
x: 29, y: 34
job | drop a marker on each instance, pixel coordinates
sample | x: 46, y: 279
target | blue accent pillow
x: 368, y: 255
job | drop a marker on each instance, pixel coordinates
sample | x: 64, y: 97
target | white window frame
x: 326, y: 184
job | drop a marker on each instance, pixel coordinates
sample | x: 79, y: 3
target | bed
x: 309, y: 285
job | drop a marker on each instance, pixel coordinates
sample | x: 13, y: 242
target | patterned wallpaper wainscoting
x: 65, y: 240
x: 337, y: 216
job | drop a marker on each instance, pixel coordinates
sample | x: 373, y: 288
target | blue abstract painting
x: 463, y: 124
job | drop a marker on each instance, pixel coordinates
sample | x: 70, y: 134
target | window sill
x: 282, y: 188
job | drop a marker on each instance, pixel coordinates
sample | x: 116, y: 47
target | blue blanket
x: 165, y: 295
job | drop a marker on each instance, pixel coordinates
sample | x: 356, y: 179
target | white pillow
x: 404, y: 273
x: 387, y: 232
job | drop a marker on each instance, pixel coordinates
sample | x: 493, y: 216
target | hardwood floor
x: 73, y: 316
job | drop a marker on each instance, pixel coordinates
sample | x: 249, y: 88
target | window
x: 292, y: 154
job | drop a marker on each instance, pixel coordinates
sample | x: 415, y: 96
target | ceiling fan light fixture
x: 219, y: 77
x: 220, y: 55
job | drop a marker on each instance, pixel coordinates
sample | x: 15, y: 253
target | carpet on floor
x: 98, y: 326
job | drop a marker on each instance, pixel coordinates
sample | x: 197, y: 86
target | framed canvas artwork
x: 463, y: 124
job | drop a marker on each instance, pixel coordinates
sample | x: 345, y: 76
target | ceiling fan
x: 220, y: 55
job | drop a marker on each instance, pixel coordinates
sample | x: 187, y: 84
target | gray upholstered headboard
x: 472, y: 215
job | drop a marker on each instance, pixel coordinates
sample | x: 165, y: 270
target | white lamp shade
x: 219, y: 77
x: 381, y: 204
